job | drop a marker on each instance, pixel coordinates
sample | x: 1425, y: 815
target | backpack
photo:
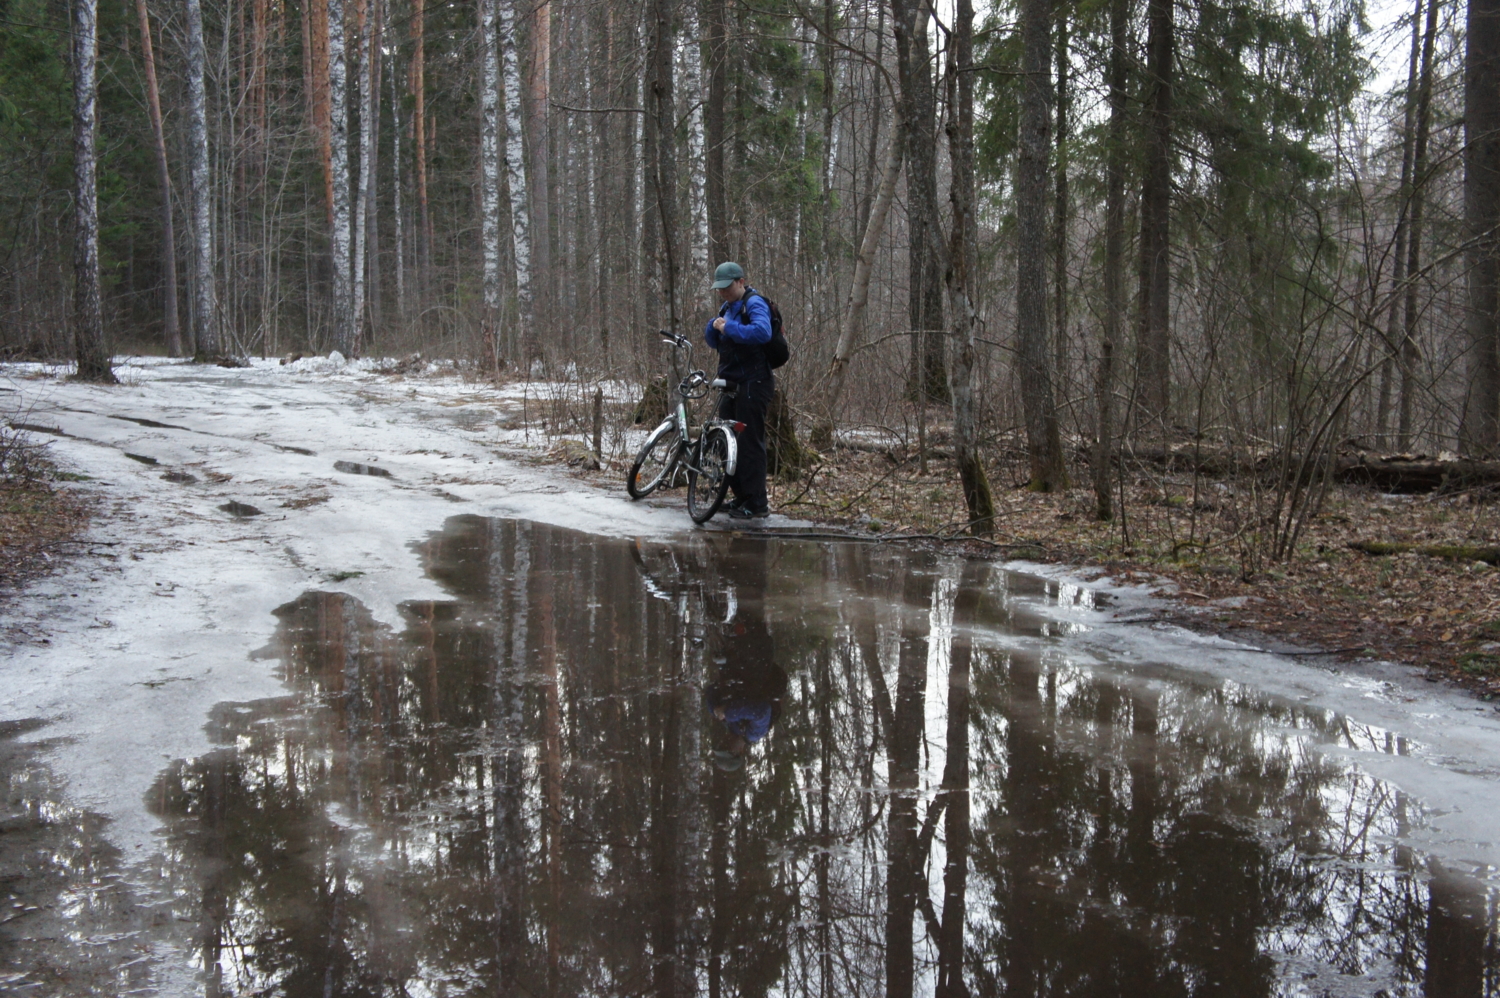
x: 778, y: 352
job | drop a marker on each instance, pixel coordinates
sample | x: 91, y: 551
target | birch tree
x: 515, y: 162
x: 88, y: 318
x: 345, y: 313
x: 489, y: 172
x: 205, y: 301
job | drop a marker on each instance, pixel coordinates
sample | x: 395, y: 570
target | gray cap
x: 726, y: 274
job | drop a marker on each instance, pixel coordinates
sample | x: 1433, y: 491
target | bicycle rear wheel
x: 655, y: 462
x: 708, y: 476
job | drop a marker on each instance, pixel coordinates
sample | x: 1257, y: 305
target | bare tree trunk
x: 364, y: 18
x: 418, y: 84
x: 539, y: 129
x: 963, y: 253
x: 715, y: 17
x: 1043, y: 438
x: 692, y: 60
x: 928, y: 381
x: 859, y: 289
x: 1391, y: 346
x: 88, y: 313
x: 345, y: 311
x: 1410, y: 353
x: 1061, y: 210
x: 1480, y: 432
x: 205, y: 304
x: 663, y: 172
x: 370, y: 173
x: 319, y: 112
x: 489, y: 175
x: 396, y: 205
x: 514, y: 151
x: 1114, y: 260
x: 1153, y: 341
x: 170, y: 330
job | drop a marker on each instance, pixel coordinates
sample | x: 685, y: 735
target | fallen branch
x: 1450, y: 552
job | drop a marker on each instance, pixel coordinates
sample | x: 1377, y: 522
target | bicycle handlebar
x: 673, y: 338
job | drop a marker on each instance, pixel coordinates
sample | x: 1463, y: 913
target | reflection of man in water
x: 746, y: 700
x: 745, y: 695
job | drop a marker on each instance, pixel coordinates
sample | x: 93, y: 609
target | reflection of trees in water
x: 513, y: 794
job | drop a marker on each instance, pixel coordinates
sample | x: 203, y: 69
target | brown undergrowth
x: 39, y: 521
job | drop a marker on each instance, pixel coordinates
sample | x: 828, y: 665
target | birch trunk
x: 963, y: 253
x: 345, y: 315
x: 171, y: 332
x: 396, y: 205
x: 88, y: 314
x: 489, y: 175
x: 364, y: 20
x: 692, y: 59
x: 514, y: 152
x: 859, y: 289
x: 1043, y: 439
x: 205, y: 305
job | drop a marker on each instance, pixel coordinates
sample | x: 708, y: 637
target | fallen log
x: 1403, y: 473
x: 1451, y: 552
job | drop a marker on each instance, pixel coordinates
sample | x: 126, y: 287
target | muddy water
x: 730, y: 766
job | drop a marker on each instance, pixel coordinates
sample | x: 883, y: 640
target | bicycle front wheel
x: 708, y: 477
x: 655, y: 462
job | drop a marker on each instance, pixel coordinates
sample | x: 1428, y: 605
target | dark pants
x: 749, y: 406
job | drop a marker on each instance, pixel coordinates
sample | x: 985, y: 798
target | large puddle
x: 730, y: 766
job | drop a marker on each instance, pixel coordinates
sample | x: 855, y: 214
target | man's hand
x: 719, y: 324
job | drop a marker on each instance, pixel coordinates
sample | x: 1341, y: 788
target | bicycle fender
x: 668, y: 424
x: 732, y: 458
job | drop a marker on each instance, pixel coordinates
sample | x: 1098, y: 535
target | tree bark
x: 715, y: 18
x: 663, y: 171
x: 418, y: 84
x: 88, y: 315
x: 396, y: 200
x: 1153, y: 341
x: 539, y: 94
x: 205, y: 301
x: 859, y: 290
x: 514, y: 151
x: 171, y: 332
x: 1410, y: 353
x: 489, y: 176
x: 345, y: 312
x: 1043, y: 437
x: 1114, y: 259
x: 928, y: 380
x: 1061, y: 209
x: 1480, y: 433
x: 1391, y: 347
x: 963, y: 253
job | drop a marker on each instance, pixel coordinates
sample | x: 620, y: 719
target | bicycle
x: 708, y: 453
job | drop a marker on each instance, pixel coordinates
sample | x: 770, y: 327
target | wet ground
x: 727, y: 765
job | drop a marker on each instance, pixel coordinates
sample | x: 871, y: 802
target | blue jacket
x: 747, y: 329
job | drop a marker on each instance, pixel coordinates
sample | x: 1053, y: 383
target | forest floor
x: 40, y: 519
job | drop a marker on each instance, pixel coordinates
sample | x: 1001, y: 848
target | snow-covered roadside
x: 158, y: 624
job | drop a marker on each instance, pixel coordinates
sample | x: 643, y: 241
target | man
x: 739, y: 333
